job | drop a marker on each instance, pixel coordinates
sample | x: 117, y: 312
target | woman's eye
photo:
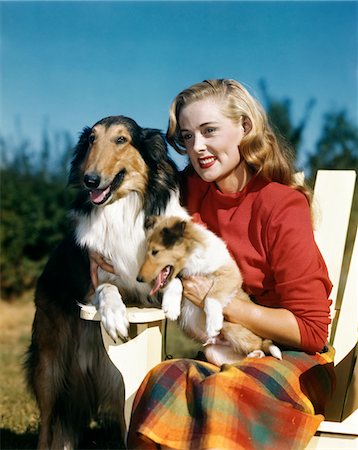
x: 154, y: 252
x: 121, y: 140
x: 186, y: 136
x: 210, y: 130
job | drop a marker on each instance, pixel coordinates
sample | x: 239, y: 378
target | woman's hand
x: 196, y: 289
x: 97, y: 260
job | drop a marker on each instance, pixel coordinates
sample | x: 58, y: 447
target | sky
x: 65, y: 65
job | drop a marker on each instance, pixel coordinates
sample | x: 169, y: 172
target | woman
x: 240, y: 183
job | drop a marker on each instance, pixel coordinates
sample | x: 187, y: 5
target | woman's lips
x: 207, y: 162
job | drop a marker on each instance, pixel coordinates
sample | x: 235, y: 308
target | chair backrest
x: 345, y: 337
x: 332, y: 202
x: 333, y: 194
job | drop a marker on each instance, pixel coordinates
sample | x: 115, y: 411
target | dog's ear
x: 155, y: 144
x: 150, y: 222
x: 163, y: 172
x: 173, y: 234
x: 79, y: 155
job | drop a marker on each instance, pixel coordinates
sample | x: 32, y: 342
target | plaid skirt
x: 255, y: 404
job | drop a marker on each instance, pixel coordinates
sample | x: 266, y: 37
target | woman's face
x: 212, y: 141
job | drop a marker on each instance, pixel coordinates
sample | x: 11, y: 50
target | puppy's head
x: 166, y: 251
x: 114, y: 157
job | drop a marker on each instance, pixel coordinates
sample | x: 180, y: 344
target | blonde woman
x: 240, y: 183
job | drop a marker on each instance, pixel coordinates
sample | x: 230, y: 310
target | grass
x: 18, y: 410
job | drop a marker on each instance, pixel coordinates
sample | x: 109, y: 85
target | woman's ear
x: 246, y: 124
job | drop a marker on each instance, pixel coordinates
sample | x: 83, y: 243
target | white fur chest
x: 116, y: 231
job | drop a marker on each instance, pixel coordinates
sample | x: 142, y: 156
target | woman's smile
x: 206, y: 162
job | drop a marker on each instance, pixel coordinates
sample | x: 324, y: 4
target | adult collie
x: 123, y: 175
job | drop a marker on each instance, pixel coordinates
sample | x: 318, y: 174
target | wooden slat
x: 333, y: 194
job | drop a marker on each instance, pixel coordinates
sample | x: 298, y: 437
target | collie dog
x: 177, y: 248
x: 123, y: 175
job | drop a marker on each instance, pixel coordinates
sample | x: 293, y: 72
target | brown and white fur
x: 123, y: 175
x: 179, y: 247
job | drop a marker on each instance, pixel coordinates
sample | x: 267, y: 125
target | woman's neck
x: 236, y: 180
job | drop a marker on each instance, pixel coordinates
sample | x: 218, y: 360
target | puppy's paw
x: 112, y: 310
x: 214, y: 317
x: 171, y: 303
x: 275, y: 351
x: 171, y: 311
x: 256, y: 354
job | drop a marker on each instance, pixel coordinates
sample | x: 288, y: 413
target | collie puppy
x: 123, y: 175
x: 177, y: 248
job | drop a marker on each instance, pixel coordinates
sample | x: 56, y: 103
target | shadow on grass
x: 93, y: 439
x: 12, y: 440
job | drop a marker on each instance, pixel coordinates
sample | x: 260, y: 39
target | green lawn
x: 18, y: 411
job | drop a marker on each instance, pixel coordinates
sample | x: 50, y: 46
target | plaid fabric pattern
x: 255, y: 404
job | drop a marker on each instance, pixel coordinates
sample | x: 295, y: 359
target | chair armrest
x: 134, y: 314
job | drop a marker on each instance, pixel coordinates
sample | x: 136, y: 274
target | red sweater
x: 267, y: 228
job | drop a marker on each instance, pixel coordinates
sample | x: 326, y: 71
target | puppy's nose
x: 92, y: 180
x: 140, y: 279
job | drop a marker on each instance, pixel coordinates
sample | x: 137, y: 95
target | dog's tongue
x: 158, y: 283
x: 97, y: 195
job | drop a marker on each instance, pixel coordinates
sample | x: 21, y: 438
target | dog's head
x: 166, y: 252
x: 117, y: 156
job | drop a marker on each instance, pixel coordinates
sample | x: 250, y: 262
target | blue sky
x: 68, y: 64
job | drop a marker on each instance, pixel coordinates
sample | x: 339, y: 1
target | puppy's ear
x: 79, y: 155
x: 150, y: 222
x: 173, y: 234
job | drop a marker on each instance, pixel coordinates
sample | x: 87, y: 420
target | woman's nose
x: 199, y: 143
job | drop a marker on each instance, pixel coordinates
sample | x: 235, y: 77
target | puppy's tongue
x: 97, y: 195
x: 157, y: 284
x: 161, y: 280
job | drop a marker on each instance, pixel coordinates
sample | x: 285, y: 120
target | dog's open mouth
x: 100, y: 196
x: 162, y: 279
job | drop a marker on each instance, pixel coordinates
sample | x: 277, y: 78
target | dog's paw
x: 256, y: 354
x: 113, y: 311
x: 214, y: 317
x: 171, y: 312
x: 275, y: 351
x: 211, y: 341
x: 171, y: 303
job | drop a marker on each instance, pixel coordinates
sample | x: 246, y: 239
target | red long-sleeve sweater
x: 268, y: 230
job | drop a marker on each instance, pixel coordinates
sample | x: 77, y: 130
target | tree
x: 280, y: 117
x: 337, y: 147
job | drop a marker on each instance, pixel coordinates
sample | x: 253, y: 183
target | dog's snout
x: 140, y: 279
x: 92, y: 180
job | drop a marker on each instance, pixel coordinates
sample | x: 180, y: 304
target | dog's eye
x: 121, y: 140
x: 91, y: 138
x: 154, y: 252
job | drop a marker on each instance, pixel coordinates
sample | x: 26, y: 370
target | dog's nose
x: 92, y: 180
x: 140, y: 279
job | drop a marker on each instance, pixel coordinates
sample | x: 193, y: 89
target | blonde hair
x: 260, y: 148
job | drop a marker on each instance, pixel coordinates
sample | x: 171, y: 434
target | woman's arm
x: 277, y: 324
x: 96, y: 261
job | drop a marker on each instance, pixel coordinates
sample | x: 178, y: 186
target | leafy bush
x: 34, y: 204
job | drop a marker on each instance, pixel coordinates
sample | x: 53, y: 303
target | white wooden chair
x: 333, y: 195
x: 333, y: 198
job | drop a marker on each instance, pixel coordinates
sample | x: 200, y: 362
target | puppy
x: 178, y: 248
